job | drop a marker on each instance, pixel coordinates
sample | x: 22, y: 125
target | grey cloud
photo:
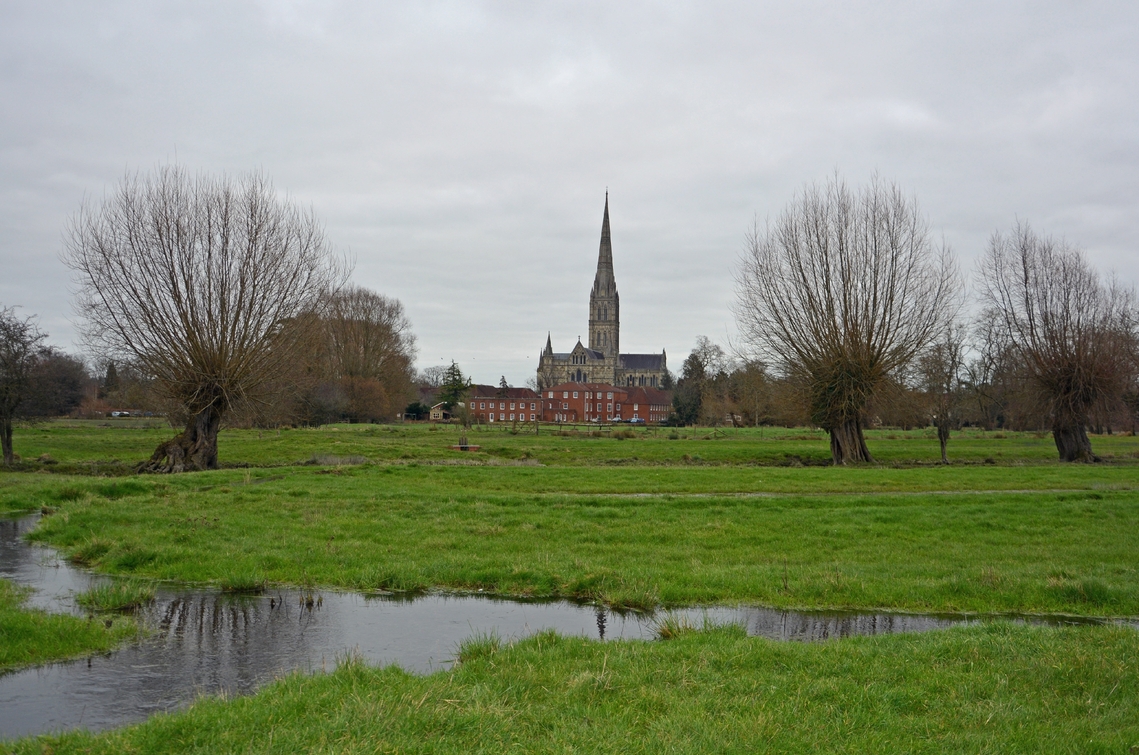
x: 460, y: 151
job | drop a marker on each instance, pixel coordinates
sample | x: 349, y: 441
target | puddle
x: 206, y: 642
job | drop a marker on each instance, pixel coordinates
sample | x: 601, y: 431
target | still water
x: 202, y: 642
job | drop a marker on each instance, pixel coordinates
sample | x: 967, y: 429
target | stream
x: 204, y: 642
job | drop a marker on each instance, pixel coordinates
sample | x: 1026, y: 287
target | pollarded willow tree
x: 203, y: 282
x: 1074, y: 336
x: 841, y: 292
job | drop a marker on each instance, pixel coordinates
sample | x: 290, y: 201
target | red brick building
x: 599, y: 402
x: 489, y: 403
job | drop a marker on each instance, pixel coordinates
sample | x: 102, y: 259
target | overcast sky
x: 460, y: 152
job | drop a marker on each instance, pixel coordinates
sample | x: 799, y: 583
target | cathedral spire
x: 605, y: 254
x: 604, y: 304
x: 549, y: 345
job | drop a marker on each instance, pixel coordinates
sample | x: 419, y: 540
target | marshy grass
x: 926, y: 540
x: 120, y: 596
x: 479, y: 645
x: 30, y: 637
x: 670, y: 625
x: 245, y: 584
x: 990, y: 688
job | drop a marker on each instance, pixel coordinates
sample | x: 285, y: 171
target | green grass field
x: 749, y: 516
x: 117, y: 443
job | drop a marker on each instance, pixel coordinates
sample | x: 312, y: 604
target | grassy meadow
x: 637, y: 518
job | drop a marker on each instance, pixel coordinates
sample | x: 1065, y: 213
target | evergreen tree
x: 454, y: 387
x: 110, y: 380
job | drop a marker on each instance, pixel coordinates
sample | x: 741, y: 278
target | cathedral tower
x: 604, y: 304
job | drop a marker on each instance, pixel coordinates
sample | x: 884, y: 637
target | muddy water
x: 204, y: 642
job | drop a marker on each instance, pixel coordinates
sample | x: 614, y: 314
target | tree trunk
x: 6, y: 442
x: 943, y: 438
x: 1072, y: 441
x: 848, y: 443
x: 194, y: 450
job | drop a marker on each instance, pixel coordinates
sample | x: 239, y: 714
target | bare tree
x: 201, y: 281
x: 843, y: 290
x: 367, y: 349
x: 751, y: 388
x: 368, y: 335
x: 20, y: 341
x: 941, y: 367
x: 1074, y: 335
x: 433, y: 376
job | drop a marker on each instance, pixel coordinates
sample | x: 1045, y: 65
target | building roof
x: 495, y: 392
x: 586, y: 387
x: 642, y: 361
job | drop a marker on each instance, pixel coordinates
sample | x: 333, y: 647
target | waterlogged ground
x: 702, y: 518
x: 197, y: 642
x: 642, y: 537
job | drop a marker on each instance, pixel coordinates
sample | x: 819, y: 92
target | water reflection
x: 205, y: 642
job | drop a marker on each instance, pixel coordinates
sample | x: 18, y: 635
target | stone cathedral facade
x: 602, y: 361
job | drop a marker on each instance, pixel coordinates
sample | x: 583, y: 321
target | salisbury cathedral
x: 602, y: 361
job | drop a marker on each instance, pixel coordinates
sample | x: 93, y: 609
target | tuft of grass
x: 252, y: 584
x: 478, y: 646
x: 118, y: 596
x: 671, y: 625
